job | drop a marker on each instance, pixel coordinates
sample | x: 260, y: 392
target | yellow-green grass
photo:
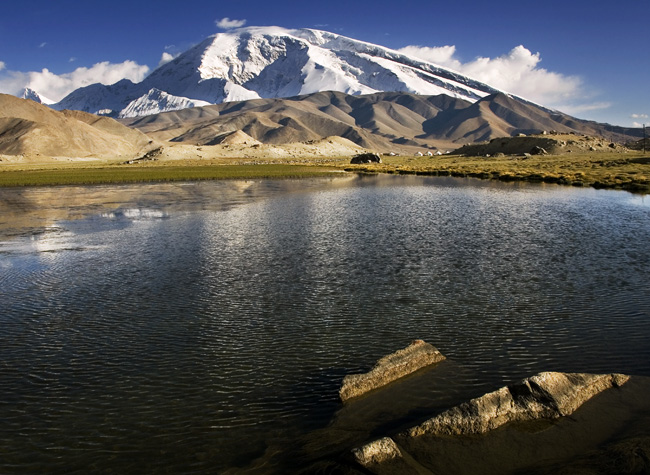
x: 629, y: 171
x: 106, y: 174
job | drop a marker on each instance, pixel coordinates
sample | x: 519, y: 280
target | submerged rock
x: 390, y: 368
x: 379, y: 451
x: 545, y: 396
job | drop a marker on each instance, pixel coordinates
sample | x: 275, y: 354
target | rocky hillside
x: 540, y: 144
x: 29, y: 128
x: 643, y: 144
x: 384, y: 121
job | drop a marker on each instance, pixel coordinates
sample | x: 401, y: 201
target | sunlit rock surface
x: 417, y: 355
x: 539, y: 399
x: 546, y: 395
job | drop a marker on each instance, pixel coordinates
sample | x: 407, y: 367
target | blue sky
x: 587, y: 58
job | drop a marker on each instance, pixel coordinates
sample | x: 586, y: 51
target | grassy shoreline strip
x: 631, y: 186
x: 114, y: 175
x: 630, y: 172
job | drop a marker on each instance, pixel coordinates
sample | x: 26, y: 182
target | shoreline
x: 112, y: 175
x: 628, y: 172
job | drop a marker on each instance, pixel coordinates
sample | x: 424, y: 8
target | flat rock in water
x: 543, y: 397
x: 547, y: 395
x: 390, y: 368
x: 376, y: 452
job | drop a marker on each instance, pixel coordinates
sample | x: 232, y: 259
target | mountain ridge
x: 386, y: 121
x: 383, y: 122
x: 273, y: 62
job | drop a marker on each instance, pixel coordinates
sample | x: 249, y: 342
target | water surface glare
x: 205, y: 327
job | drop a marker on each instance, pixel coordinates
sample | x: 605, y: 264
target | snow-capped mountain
x: 270, y: 62
x: 32, y: 95
x: 156, y: 101
x: 103, y: 100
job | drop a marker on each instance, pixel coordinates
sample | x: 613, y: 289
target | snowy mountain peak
x: 156, y: 101
x: 32, y: 95
x: 270, y: 62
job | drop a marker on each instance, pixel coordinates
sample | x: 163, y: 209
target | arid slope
x: 29, y: 128
x: 388, y: 121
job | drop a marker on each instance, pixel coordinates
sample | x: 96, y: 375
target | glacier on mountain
x: 269, y: 62
x: 156, y: 101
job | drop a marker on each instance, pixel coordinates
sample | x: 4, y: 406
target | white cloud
x: 166, y: 58
x: 72, y: 59
x: 516, y: 72
x: 2, y: 65
x: 442, y: 55
x: 42, y: 45
x: 637, y: 124
x: 633, y: 116
x: 227, y: 24
x: 576, y: 108
x: 57, y: 86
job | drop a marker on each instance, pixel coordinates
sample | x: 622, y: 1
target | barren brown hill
x: 500, y: 115
x: 269, y: 121
x: 642, y: 144
x: 383, y: 121
x: 553, y: 143
x: 235, y: 138
x: 29, y: 128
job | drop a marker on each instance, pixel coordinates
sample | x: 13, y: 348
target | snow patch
x: 31, y: 94
x: 156, y: 101
x: 235, y: 92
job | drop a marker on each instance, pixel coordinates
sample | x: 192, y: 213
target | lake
x: 205, y: 327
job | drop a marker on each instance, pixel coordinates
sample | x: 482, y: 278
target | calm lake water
x: 205, y: 327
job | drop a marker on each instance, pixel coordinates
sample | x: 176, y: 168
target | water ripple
x: 200, y: 340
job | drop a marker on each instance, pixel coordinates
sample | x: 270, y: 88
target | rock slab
x: 376, y: 452
x: 417, y: 355
x: 547, y: 395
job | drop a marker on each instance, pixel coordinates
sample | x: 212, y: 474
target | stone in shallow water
x: 378, y: 451
x: 545, y: 396
x: 390, y: 368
